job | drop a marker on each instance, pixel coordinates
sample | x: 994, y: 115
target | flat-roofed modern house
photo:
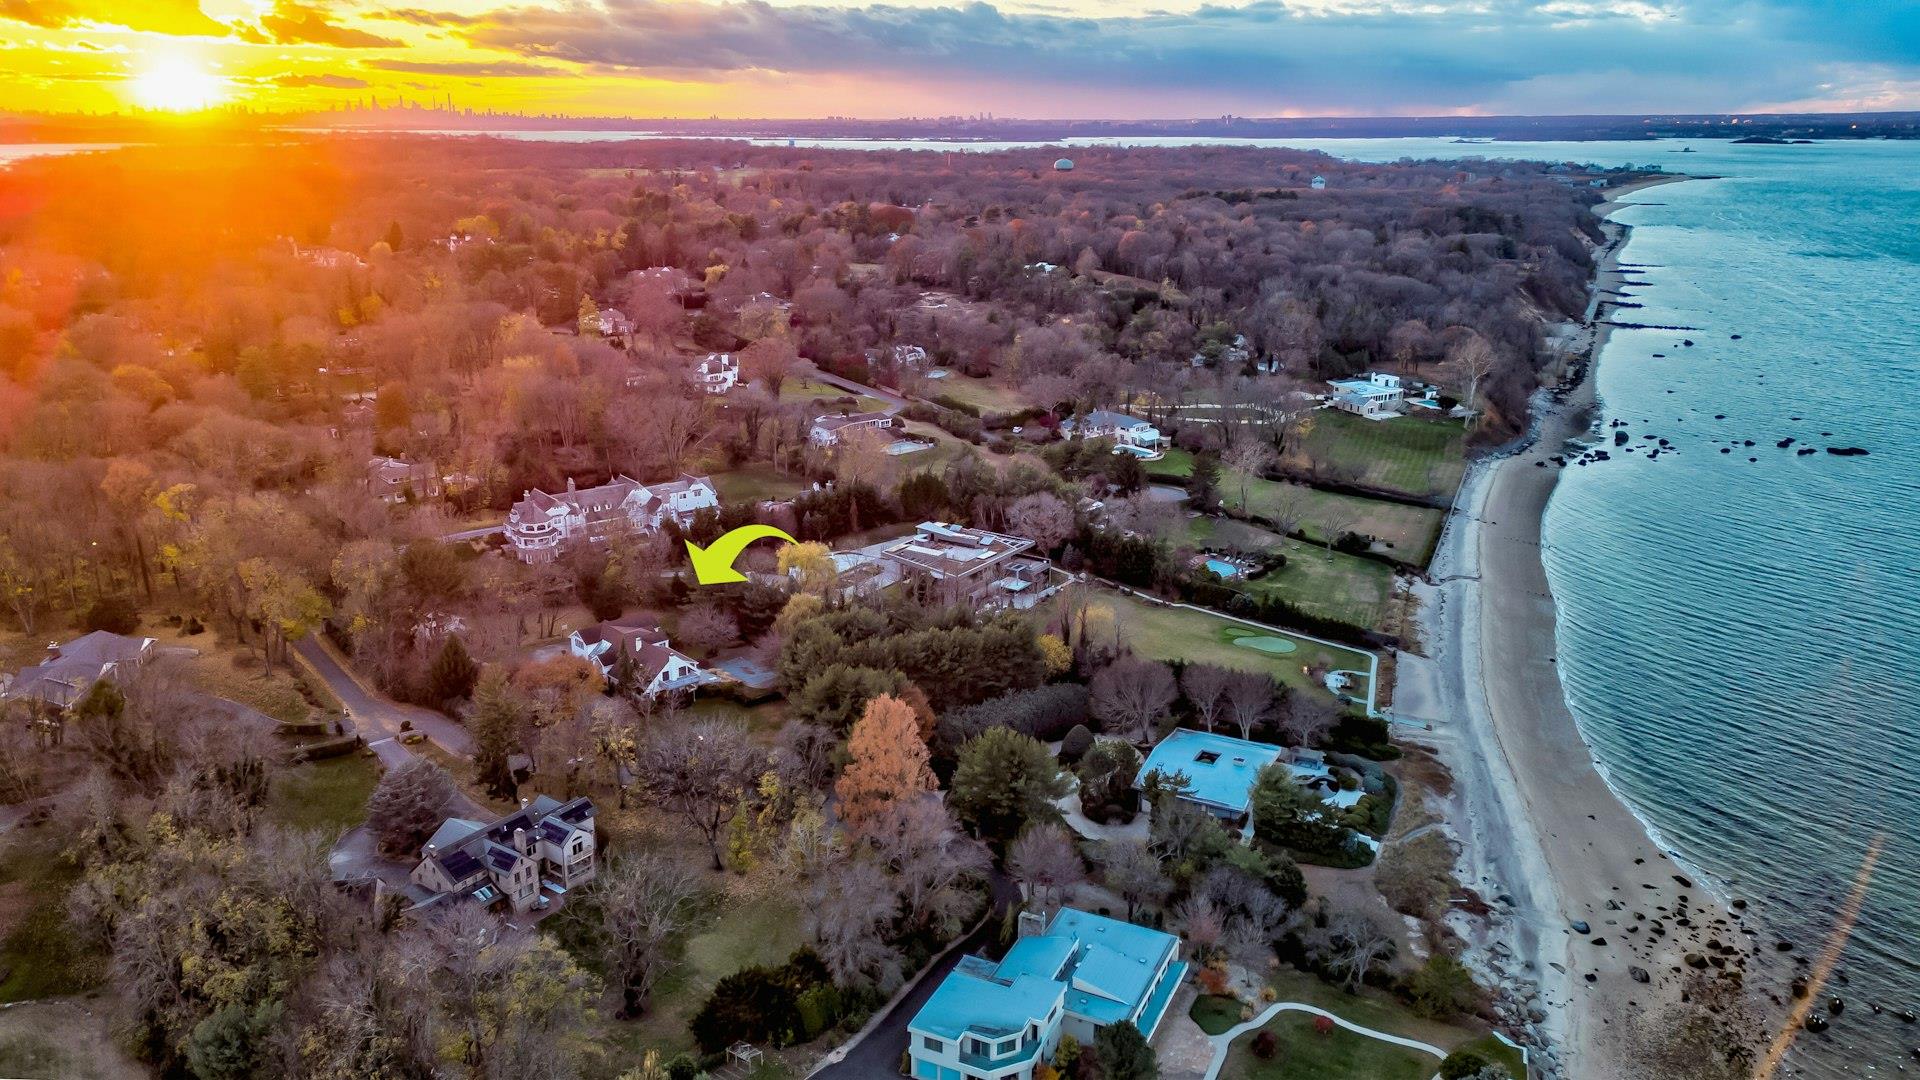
x: 659, y: 668
x: 546, y: 846
x: 1220, y: 770
x: 394, y: 481
x: 956, y: 564
x: 829, y: 430
x: 70, y: 670
x: 1073, y: 976
x: 540, y: 525
x: 1376, y: 395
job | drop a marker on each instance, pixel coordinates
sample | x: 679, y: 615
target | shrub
x: 1367, y: 736
x: 682, y: 1066
x: 1265, y: 1045
x: 1045, y: 712
x: 1464, y: 1063
x: 761, y: 1005
x: 1075, y: 745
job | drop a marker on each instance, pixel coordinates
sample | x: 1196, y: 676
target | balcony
x: 988, y: 1061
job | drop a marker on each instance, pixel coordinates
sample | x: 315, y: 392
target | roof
x: 835, y: 423
x: 948, y: 551
x: 71, y: 669
x: 1220, y: 769
x: 1103, y: 968
x: 1107, y: 418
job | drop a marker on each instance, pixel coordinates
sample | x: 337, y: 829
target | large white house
x: 718, y: 373
x: 829, y: 430
x: 1081, y: 973
x: 1121, y: 428
x: 540, y: 525
x: 659, y: 668
x: 1375, y: 395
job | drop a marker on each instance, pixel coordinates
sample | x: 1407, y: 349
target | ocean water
x: 1740, y: 639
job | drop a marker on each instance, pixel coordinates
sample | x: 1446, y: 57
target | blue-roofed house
x: 1220, y: 770
x: 1073, y: 976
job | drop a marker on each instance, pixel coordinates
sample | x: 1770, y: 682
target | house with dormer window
x: 540, y: 525
x: 520, y: 862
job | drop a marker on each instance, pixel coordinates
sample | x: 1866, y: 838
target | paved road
x: 375, y: 716
x: 877, y: 1055
x: 474, y: 534
x: 894, y: 401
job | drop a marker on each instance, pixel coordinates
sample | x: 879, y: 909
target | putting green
x: 1266, y: 643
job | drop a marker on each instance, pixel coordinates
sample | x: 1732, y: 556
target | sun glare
x: 177, y: 83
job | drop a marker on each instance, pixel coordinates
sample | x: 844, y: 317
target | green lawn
x: 1377, y: 1010
x: 1175, y: 465
x: 1216, y: 1013
x: 1305, y: 1054
x: 755, y: 484
x: 1338, y: 586
x: 1409, y: 531
x: 38, y: 951
x: 1413, y: 454
x: 1169, y: 633
x: 983, y: 394
x: 330, y: 794
x: 809, y: 390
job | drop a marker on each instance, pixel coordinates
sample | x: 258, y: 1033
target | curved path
x: 1223, y: 1041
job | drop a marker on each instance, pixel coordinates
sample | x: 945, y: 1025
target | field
x: 329, y: 795
x: 1344, y: 587
x: 71, y: 1040
x: 809, y: 390
x: 1170, y: 633
x: 1216, y: 1013
x: 755, y: 484
x: 1409, y: 531
x: 40, y: 956
x: 1175, y: 464
x: 1413, y: 454
x: 1305, y: 1054
x: 983, y: 394
x: 1375, y: 1009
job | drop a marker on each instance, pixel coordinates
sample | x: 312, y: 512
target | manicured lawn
x: 41, y: 954
x: 1305, y: 1054
x: 756, y: 483
x: 1408, y: 530
x: 1413, y: 454
x: 1216, y: 1013
x: 809, y: 390
x: 1169, y: 633
x: 983, y: 394
x: 1175, y: 464
x: 330, y: 794
x: 1375, y: 1009
x: 1338, y: 586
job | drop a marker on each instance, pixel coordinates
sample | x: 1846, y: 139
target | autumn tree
x: 887, y: 762
x: 700, y: 771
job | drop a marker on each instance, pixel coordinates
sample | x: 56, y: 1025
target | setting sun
x: 177, y: 83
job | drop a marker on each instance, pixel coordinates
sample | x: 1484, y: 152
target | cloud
x: 1266, y: 55
x: 329, y: 82
x: 292, y: 23
x: 156, y: 16
x: 468, y: 69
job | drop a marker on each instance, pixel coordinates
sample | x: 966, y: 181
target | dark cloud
x: 467, y: 69
x: 291, y: 23
x: 1506, y: 55
x: 157, y: 16
x: 329, y: 82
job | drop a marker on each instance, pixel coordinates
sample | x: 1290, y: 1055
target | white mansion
x: 540, y: 525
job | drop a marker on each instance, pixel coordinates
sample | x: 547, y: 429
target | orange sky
x: 1026, y: 58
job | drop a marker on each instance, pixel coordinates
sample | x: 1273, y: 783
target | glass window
x: 932, y: 1043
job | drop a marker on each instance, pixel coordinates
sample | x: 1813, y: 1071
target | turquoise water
x: 1224, y: 568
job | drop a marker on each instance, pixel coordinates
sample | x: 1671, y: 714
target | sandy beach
x: 1543, y: 839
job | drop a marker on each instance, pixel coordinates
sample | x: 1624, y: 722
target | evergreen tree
x: 234, y: 1043
x: 497, y: 716
x: 1203, y: 484
x: 395, y: 238
x: 451, y: 676
x: 1004, y: 780
x: 1123, y: 1053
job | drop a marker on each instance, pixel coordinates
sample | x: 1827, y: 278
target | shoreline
x: 1543, y: 836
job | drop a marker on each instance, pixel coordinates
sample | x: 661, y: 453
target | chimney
x: 523, y: 803
x: 432, y: 850
x: 520, y: 841
x: 570, y: 486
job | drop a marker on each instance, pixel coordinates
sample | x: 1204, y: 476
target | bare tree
x: 701, y: 770
x: 1131, y: 694
x: 706, y: 628
x: 1289, y: 507
x: 849, y: 915
x: 1205, y: 686
x: 1249, y: 698
x: 639, y: 904
x: 1249, y: 458
x: 1357, y: 941
x: 1309, y: 716
x: 1335, y: 519
x: 1469, y: 361
x: 932, y: 861
x: 1044, y: 859
x: 1131, y: 869
x: 1043, y: 518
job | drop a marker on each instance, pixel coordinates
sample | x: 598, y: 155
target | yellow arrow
x: 713, y: 564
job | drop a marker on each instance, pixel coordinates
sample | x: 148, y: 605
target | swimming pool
x: 1224, y: 568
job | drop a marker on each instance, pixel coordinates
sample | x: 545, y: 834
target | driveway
x: 894, y: 401
x: 474, y: 534
x: 876, y: 1055
x: 375, y: 716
